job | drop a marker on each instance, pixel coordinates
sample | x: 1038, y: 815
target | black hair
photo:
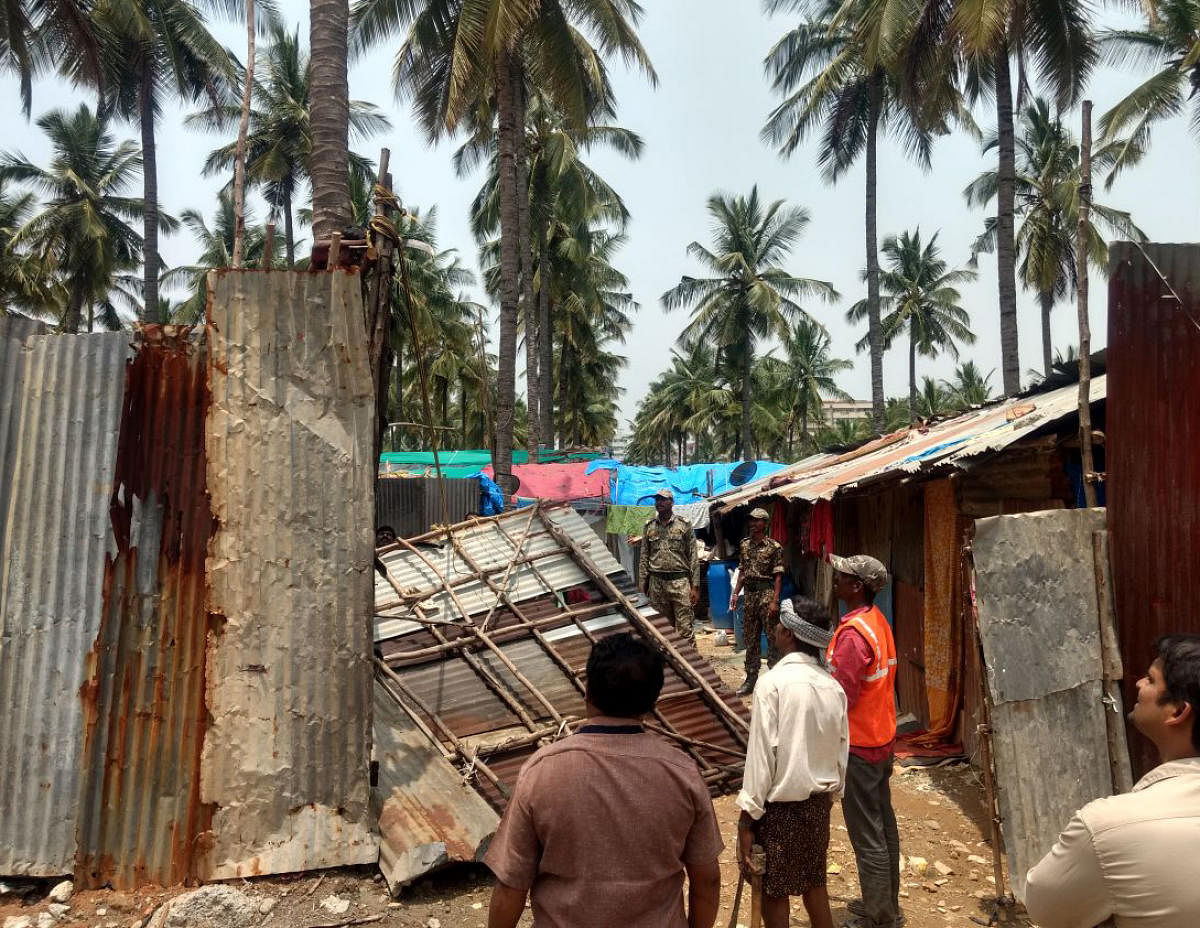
x: 624, y: 676
x: 813, y: 613
x: 1180, y: 656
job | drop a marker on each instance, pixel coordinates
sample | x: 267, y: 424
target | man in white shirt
x: 795, y: 767
x: 1133, y: 857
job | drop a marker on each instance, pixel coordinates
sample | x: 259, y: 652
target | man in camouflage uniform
x: 668, y: 568
x: 760, y: 574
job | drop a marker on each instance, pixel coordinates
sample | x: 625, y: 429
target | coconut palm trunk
x: 289, y: 233
x: 874, y: 330
x: 239, y: 158
x: 533, y: 393
x: 546, y: 349
x: 329, y: 114
x: 747, y: 362
x: 1046, y: 298
x: 1006, y: 249
x: 912, y: 374
x: 510, y: 264
x: 150, y: 195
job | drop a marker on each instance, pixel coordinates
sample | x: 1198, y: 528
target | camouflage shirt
x: 669, y: 548
x: 760, y: 560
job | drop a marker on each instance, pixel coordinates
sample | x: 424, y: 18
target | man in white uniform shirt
x: 795, y: 767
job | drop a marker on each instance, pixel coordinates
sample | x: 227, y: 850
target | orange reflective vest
x: 873, y: 718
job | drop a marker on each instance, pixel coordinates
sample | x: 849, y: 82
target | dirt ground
x: 940, y: 813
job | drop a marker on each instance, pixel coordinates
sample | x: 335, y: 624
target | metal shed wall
x: 66, y: 419
x: 14, y: 330
x: 291, y: 473
x: 144, y: 697
x: 1153, y: 450
x: 413, y: 505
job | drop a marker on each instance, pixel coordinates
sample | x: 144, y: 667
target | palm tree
x: 25, y: 283
x: 1172, y: 39
x: 969, y: 388
x: 838, y: 72
x: 748, y: 296
x: 934, y: 401
x: 921, y: 300
x: 36, y: 36
x: 986, y: 34
x: 1047, y: 202
x: 844, y: 432
x: 216, y: 251
x: 328, y: 38
x: 82, y: 232
x: 564, y: 192
x: 154, y: 51
x: 471, y: 58
x: 279, y: 143
x: 811, y: 370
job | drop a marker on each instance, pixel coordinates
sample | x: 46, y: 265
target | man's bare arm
x: 507, y: 905
x: 704, y: 894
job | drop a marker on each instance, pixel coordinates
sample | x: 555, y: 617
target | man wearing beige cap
x: 760, y: 573
x: 862, y: 656
x: 668, y: 568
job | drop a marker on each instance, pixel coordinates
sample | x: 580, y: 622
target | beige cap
x: 866, y: 568
x: 665, y: 493
x: 759, y: 513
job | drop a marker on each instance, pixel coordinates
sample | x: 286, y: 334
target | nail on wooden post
x: 335, y: 250
x: 269, y: 247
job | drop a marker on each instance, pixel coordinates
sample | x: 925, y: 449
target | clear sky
x: 701, y: 128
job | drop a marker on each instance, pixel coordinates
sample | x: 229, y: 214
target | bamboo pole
x: 1113, y: 669
x: 449, y: 735
x: 735, y: 723
x: 1087, y: 465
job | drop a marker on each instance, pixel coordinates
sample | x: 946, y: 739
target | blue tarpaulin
x: 636, y: 486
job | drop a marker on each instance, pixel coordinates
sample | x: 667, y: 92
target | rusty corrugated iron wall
x: 1153, y: 451
x: 291, y: 474
x: 140, y: 810
x: 67, y: 414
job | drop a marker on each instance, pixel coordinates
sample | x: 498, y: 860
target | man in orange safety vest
x: 862, y: 657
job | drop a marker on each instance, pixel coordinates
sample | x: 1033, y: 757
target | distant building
x: 837, y: 410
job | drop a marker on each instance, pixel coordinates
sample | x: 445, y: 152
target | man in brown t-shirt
x: 602, y: 825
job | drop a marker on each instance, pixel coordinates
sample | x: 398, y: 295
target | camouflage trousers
x: 757, y: 617
x: 673, y: 598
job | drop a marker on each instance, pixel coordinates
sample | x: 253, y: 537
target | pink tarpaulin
x: 559, y: 481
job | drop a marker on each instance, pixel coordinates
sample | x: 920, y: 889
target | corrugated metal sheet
x: 144, y: 697
x: 953, y: 443
x: 1036, y: 583
x: 427, y: 812
x: 67, y: 415
x: 14, y: 330
x: 481, y: 702
x: 487, y: 545
x: 413, y: 505
x: 1153, y: 450
x: 291, y: 475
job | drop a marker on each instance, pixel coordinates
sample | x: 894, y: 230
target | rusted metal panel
x: 144, y: 696
x: 1036, y: 583
x: 909, y: 605
x: 291, y: 476
x: 67, y: 414
x: 1153, y: 450
x: 428, y: 816
x: 413, y: 505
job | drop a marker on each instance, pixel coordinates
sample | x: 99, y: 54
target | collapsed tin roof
x: 482, y: 634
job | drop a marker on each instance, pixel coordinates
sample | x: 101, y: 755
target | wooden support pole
x: 1112, y: 668
x: 1088, y: 467
x: 335, y: 251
